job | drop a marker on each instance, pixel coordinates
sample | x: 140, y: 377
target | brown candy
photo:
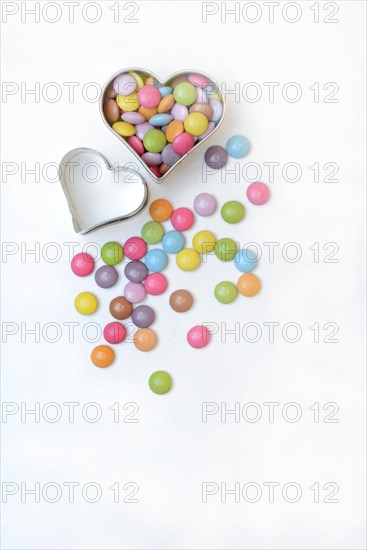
x: 120, y: 308
x: 181, y: 300
x: 111, y: 111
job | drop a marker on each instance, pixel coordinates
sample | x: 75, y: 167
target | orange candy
x: 147, y: 113
x: 248, y: 284
x: 145, y: 339
x: 102, y: 356
x: 161, y: 210
x: 166, y: 103
x: 174, y: 129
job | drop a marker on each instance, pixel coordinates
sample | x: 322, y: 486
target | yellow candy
x: 196, y: 124
x: 86, y: 303
x: 204, y: 242
x: 124, y: 129
x: 138, y: 79
x: 128, y: 102
x: 149, y: 81
x: 188, y: 259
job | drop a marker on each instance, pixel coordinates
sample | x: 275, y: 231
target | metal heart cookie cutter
x: 98, y: 194
x: 212, y: 87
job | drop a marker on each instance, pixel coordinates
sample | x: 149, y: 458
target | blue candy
x: 161, y: 119
x: 156, y: 260
x: 245, y: 260
x: 165, y: 90
x: 173, y: 242
x: 237, y: 146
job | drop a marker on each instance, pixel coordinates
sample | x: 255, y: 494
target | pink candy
x: 114, y: 333
x: 182, y: 219
x: 82, y: 264
x: 135, y: 248
x: 134, y: 292
x: 136, y: 144
x: 155, y: 284
x: 258, y: 193
x: 149, y: 96
x: 183, y: 143
x: 198, y: 337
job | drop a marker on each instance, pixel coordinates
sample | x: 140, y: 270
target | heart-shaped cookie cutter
x: 166, y: 82
x: 107, y: 195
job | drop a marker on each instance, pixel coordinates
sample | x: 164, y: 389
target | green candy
x: 152, y: 232
x: 160, y: 382
x: 154, y: 141
x: 225, y: 249
x: 112, y: 253
x: 233, y: 211
x: 185, y: 93
x: 225, y: 292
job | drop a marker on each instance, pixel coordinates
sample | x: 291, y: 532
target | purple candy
x: 143, y: 316
x: 142, y: 129
x: 106, y: 276
x: 169, y: 156
x: 205, y: 204
x: 124, y: 84
x: 134, y: 292
x: 216, y: 157
x: 133, y: 118
x: 211, y: 127
x: 152, y: 159
x: 217, y: 107
x: 179, y: 112
x: 136, y: 271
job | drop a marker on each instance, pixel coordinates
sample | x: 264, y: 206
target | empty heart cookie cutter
x: 211, y: 82
x: 97, y: 193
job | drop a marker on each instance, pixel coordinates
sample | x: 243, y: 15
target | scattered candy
x: 155, y: 284
x: 181, y: 300
x: 237, y: 146
x: 245, y: 260
x: 182, y: 219
x: 173, y: 241
x: 120, y: 308
x: 106, y: 276
x: 152, y: 232
x: 135, y: 248
x: 188, y: 259
x: 114, y: 333
x: 248, y: 284
x: 136, y: 271
x: 134, y: 292
x: 258, y: 193
x: 225, y: 292
x: 112, y: 253
x: 143, y: 316
x: 82, y: 264
x: 86, y: 303
x: 225, y: 249
x: 161, y: 210
x: 198, y: 337
x: 205, y: 204
x: 204, y: 242
x: 102, y: 356
x: 160, y: 382
x: 233, y: 211
x: 148, y: 115
x: 216, y: 157
x: 145, y: 339
x: 156, y: 260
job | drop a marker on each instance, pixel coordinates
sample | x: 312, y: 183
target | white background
x: 170, y: 452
